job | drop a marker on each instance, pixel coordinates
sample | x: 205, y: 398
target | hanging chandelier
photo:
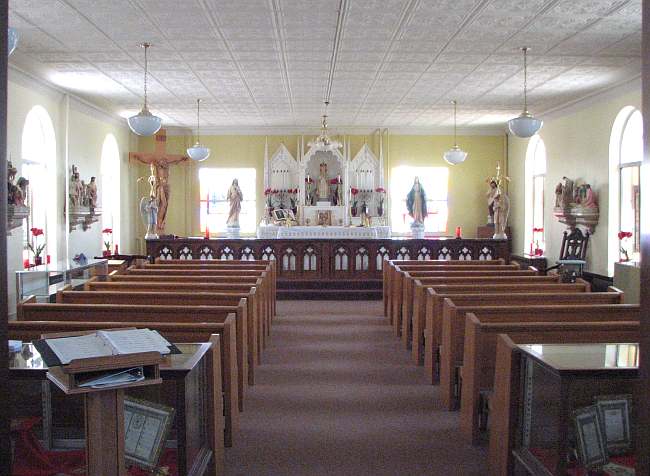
x: 323, y: 142
x: 198, y: 152
x: 525, y: 125
x: 12, y: 40
x: 145, y: 123
x: 455, y: 155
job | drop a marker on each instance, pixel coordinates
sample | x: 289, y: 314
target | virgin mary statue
x: 416, y: 202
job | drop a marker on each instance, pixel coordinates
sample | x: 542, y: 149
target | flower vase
x: 106, y: 253
x: 380, y: 210
x: 38, y: 260
x: 353, y: 211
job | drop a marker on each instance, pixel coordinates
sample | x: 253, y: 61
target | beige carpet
x: 338, y: 395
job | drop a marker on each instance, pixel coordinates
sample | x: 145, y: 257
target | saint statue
x: 76, y: 188
x: 490, y: 200
x: 91, y: 193
x: 235, y: 198
x: 160, y: 169
x: 501, y: 211
x: 149, y: 209
x: 567, y: 192
x: 16, y: 193
x: 323, y: 185
x: 416, y: 202
x: 590, y: 200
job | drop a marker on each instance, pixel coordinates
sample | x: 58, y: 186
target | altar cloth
x: 322, y: 232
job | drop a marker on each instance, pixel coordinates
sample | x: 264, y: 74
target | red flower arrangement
x: 36, y: 232
x: 538, y: 230
x: 624, y: 234
x: 107, y: 242
x: 267, y: 191
x: 354, y: 191
x: 380, y: 190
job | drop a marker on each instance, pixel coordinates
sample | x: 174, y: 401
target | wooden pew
x: 252, y: 280
x: 453, y: 329
x: 208, y: 263
x: 388, y: 265
x: 481, y: 350
x: 396, y: 310
x: 171, y: 298
x: 180, y: 286
x: 222, y: 373
x: 31, y: 311
x: 427, y: 310
x: 405, y: 281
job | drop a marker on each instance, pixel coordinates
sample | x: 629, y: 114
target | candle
x: 458, y: 229
x: 116, y: 250
x: 47, y: 259
x: 531, y: 248
x: 26, y: 263
x: 207, y: 232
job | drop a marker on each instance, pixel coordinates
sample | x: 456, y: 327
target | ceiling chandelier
x: 198, y: 152
x: 145, y: 123
x: 323, y: 142
x: 12, y: 40
x: 525, y: 125
x: 455, y: 155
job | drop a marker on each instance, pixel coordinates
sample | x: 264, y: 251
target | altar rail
x: 329, y: 259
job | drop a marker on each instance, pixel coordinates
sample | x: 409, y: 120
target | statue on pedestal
x: 501, y: 212
x: 149, y: 210
x: 76, y: 188
x: 234, y: 198
x: 416, y: 202
x: 323, y: 183
x: 91, y: 194
x: 491, y: 193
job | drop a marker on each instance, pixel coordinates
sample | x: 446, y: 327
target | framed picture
x: 325, y: 217
x: 279, y: 214
x: 146, y: 426
x: 614, y: 414
x: 592, y: 451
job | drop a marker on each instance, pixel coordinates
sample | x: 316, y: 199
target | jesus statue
x: 323, y: 185
x: 235, y: 198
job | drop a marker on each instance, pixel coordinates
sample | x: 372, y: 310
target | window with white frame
x: 626, y: 155
x: 214, y: 206
x: 435, y: 182
x: 535, y: 178
x: 38, y: 153
x: 110, y: 189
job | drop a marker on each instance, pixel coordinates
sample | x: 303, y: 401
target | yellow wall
x: 467, y: 206
x: 577, y: 146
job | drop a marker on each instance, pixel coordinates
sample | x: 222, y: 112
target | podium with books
x: 100, y: 365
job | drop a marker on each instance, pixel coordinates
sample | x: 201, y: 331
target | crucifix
x: 159, y: 161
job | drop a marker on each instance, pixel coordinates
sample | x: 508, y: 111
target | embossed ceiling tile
x: 585, y: 44
x: 220, y: 56
x: 394, y: 66
x: 356, y: 46
x: 629, y: 46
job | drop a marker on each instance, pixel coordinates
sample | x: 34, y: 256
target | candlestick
x: 47, y: 259
x: 207, y: 232
x: 458, y: 230
x: 114, y: 252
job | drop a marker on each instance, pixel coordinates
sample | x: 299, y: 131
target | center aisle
x: 337, y: 394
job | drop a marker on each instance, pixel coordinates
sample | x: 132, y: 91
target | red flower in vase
x: 380, y: 190
x: 36, y: 231
x: 267, y: 191
x: 624, y: 234
x: 354, y: 191
x: 107, y: 231
x: 538, y: 230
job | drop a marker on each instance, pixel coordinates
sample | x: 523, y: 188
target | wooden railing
x: 329, y: 259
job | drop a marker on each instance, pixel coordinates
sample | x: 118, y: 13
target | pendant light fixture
x: 145, y: 123
x: 455, y: 155
x: 12, y: 40
x: 323, y: 142
x: 198, y: 152
x: 525, y: 125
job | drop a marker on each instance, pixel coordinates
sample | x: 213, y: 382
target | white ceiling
x: 385, y: 63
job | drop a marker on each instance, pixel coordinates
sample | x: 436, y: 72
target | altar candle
x: 47, y: 259
x: 458, y: 232
x: 26, y: 263
x: 207, y: 232
x: 114, y: 252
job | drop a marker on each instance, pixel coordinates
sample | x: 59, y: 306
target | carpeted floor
x: 337, y: 394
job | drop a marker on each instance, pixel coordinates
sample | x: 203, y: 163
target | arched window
x: 39, y: 167
x: 110, y: 189
x: 535, y: 177
x: 625, y: 157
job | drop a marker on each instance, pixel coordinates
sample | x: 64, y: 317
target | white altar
x: 325, y: 188
x: 322, y: 232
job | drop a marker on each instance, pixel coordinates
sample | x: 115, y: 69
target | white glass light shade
x: 455, y: 155
x: 525, y: 125
x: 12, y: 40
x: 144, y: 123
x: 198, y: 152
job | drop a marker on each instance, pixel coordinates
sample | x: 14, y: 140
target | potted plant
x: 380, y: 198
x: 34, y: 247
x: 622, y: 236
x: 107, y: 241
x: 353, y: 208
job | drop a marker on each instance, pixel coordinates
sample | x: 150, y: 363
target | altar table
x: 301, y: 259
x: 323, y: 232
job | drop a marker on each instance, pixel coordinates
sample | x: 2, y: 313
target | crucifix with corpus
x: 159, y: 161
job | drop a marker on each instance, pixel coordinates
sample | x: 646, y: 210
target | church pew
x: 222, y: 373
x: 216, y: 262
x: 171, y: 298
x: 28, y: 310
x: 453, y: 329
x: 388, y: 266
x: 427, y: 310
x: 180, y: 286
x: 405, y: 279
x: 396, y: 309
x: 479, y: 364
x: 252, y: 280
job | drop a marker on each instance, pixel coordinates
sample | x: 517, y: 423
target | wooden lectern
x: 104, y: 407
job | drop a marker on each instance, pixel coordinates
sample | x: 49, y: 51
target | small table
x: 186, y: 375
x: 524, y: 260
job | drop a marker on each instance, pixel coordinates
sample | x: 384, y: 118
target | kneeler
x: 31, y: 459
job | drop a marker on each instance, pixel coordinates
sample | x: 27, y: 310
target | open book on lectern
x: 63, y: 350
